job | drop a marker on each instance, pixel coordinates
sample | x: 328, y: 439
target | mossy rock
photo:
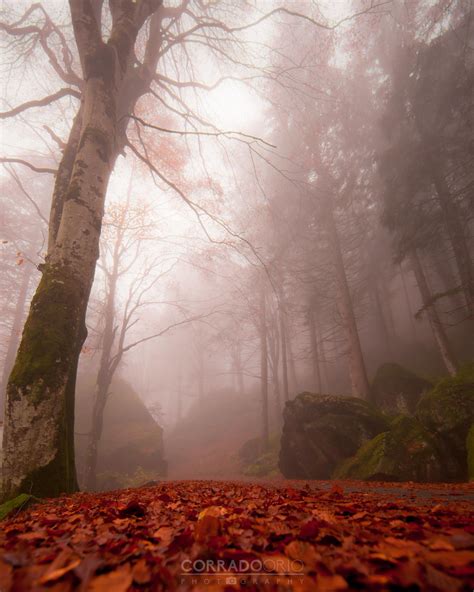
x: 470, y: 453
x: 406, y: 452
x: 131, y: 438
x: 320, y: 431
x: 397, y: 390
x: 18, y: 503
x: 265, y: 465
x: 250, y: 451
x: 447, y: 412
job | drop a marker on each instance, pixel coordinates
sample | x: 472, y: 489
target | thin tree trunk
x: 105, y: 373
x: 408, y: 303
x: 435, y: 322
x: 358, y: 372
x: 314, y: 350
x: 457, y: 236
x: 284, y: 352
x: 380, y: 315
x: 238, y: 370
x: 15, y: 331
x: 324, y: 365
x: 263, y: 366
x: 291, y: 363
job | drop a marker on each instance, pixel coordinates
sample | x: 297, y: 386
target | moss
x: 320, y: 431
x: 365, y: 463
x: 265, y: 465
x: 449, y: 406
x: 470, y: 453
x: 47, y: 344
x: 17, y: 504
x: 405, y: 453
x: 260, y: 463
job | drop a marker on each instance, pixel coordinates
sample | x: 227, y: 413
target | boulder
x: 320, y: 431
x: 407, y: 452
x: 132, y: 441
x: 397, y: 390
x: 250, y: 451
x: 447, y: 412
x: 258, y: 461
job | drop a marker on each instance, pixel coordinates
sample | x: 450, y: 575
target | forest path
x: 280, y: 535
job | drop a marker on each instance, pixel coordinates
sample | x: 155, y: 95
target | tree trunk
x: 39, y: 416
x: 263, y: 366
x: 457, y: 236
x: 383, y: 331
x: 408, y: 303
x: 284, y: 352
x: 38, y: 440
x: 314, y: 350
x: 15, y: 331
x: 358, y: 372
x: 435, y: 322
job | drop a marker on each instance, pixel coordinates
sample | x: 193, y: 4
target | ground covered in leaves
x: 209, y: 535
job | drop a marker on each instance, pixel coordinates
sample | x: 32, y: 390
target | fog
x: 289, y: 208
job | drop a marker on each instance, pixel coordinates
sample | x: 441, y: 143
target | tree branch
x: 63, y: 92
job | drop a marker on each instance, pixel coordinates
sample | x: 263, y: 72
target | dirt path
x: 228, y: 535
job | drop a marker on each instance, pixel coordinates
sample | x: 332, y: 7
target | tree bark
x: 435, y: 322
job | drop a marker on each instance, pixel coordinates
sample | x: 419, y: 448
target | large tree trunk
x: 358, y: 372
x: 15, y: 331
x: 435, y: 322
x: 38, y: 439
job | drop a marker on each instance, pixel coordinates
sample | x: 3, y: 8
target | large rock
x: 447, y: 412
x: 398, y: 390
x: 407, y: 452
x: 132, y: 441
x: 320, y: 431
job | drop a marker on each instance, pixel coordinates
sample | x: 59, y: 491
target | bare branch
x: 63, y: 92
x: 5, y: 159
x: 227, y: 134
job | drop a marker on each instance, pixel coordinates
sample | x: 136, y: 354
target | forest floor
x: 228, y: 535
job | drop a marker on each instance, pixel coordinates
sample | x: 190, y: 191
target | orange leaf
x: 141, y: 572
x: 114, y: 581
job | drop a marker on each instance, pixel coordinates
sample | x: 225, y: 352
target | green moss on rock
x: 18, y: 503
x: 320, y: 431
x: 396, y: 389
x: 406, y: 452
x: 447, y: 412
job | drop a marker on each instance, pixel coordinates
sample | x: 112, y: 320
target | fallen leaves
x: 304, y: 537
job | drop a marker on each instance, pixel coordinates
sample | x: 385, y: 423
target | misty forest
x: 237, y: 295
